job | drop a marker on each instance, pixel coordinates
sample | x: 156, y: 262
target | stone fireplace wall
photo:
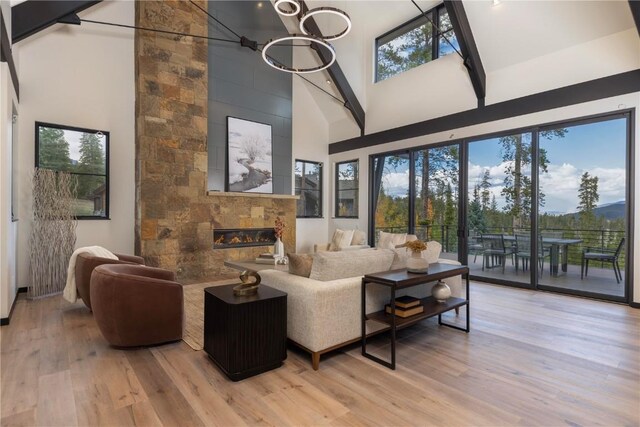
x: 175, y: 216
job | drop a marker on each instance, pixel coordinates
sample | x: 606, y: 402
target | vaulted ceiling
x: 506, y: 34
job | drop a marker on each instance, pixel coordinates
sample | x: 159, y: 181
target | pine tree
x: 517, y: 154
x: 485, y: 194
x: 92, y: 161
x: 53, y: 149
x: 589, y: 197
x: 477, y: 220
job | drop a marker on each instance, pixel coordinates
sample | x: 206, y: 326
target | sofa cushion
x: 341, y: 239
x: 339, y: 265
x: 300, y: 264
x: 359, y: 238
x: 390, y: 240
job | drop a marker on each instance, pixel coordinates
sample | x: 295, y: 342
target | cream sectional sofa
x: 324, y: 310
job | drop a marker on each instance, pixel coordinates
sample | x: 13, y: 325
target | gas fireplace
x: 243, y: 237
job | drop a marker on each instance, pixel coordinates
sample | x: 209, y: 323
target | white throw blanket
x: 70, y: 291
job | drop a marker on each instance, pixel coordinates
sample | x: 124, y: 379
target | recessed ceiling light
x: 259, y: 5
x: 328, y: 81
x: 496, y: 2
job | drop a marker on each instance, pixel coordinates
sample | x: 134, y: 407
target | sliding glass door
x: 391, y: 180
x: 417, y: 192
x: 563, y: 228
x: 582, y: 218
x: 544, y: 207
x: 499, y: 193
x: 437, y: 172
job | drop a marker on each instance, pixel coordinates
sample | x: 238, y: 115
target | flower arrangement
x: 279, y: 228
x: 415, y: 246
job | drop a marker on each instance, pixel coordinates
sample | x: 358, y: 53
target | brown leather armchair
x: 135, y: 305
x: 85, y: 263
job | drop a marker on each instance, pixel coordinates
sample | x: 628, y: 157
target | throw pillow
x: 390, y: 240
x: 359, y: 238
x: 300, y: 264
x: 341, y: 239
x: 329, y: 266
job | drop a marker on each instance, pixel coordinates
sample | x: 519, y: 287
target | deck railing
x: 597, y: 239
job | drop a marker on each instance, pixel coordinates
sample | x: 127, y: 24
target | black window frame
x: 337, y: 190
x: 320, y: 188
x: 436, y: 35
x: 106, y: 175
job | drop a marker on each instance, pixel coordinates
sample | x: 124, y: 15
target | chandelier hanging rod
x: 135, y: 27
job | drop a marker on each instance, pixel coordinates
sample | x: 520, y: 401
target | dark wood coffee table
x: 245, y: 335
x: 401, y: 279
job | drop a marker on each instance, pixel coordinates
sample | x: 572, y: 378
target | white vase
x: 441, y: 291
x: 278, y: 249
x: 416, y: 263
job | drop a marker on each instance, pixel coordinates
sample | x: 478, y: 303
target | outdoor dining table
x: 559, y: 248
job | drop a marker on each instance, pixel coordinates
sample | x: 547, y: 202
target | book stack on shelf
x: 406, y: 306
x: 267, y: 258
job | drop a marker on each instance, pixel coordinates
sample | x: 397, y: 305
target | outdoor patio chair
x: 523, y: 251
x: 602, y: 255
x: 493, y: 249
x: 475, y: 247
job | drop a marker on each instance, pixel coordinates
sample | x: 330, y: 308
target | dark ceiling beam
x: 33, y: 16
x: 605, y: 87
x: 7, y: 56
x: 468, y: 47
x: 635, y: 11
x: 337, y: 75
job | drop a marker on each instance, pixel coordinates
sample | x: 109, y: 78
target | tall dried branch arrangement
x: 53, y: 232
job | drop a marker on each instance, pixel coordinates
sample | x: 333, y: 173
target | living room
x: 478, y: 157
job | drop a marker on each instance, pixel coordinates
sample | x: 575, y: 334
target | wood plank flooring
x: 532, y: 358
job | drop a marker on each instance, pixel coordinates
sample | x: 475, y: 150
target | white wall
x: 310, y: 138
x: 82, y: 76
x: 8, y: 228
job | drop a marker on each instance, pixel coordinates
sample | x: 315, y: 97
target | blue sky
x: 597, y: 148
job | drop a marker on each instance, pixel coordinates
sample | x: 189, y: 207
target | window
x: 309, y: 187
x: 347, y: 189
x: 84, y: 153
x: 414, y: 43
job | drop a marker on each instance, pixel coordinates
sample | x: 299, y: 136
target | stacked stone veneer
x: 175, y: 216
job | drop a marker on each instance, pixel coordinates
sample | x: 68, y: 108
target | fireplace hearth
x: 243, y: 237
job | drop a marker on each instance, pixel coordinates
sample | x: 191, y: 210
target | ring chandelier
x: 310, y: 38
x: 292, y: 8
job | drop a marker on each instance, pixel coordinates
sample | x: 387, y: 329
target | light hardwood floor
x: 532, y: 358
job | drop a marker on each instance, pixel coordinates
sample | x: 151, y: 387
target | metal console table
x: 401, y: 279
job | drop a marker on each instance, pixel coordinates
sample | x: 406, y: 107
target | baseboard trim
x: 634, y: 304
x: 5, y: 320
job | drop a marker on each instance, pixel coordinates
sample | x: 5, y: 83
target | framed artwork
x: 249, y: 156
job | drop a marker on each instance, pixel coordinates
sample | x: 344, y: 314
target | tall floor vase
x: 53, y: 231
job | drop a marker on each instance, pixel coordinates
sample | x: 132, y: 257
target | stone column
x: 173, y: 228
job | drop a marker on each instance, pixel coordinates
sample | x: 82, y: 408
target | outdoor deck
x: 599, y: 280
